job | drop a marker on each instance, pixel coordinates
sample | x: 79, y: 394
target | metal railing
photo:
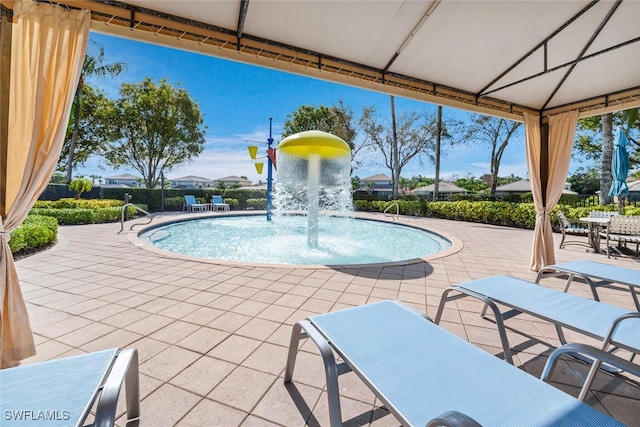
x: 395, y: 217
x: 122, y: 215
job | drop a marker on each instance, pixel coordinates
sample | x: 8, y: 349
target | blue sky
x: 237, y: 101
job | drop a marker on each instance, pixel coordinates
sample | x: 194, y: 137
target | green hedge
x: 258, y: 204
x: 499, y: 213
x: 174, y: 199
x: 521, y: 215
x: 84, y: 216
x: 36, y: 231
x: 78, y: 204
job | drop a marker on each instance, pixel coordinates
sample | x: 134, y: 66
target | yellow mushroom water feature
x: 317, y: 149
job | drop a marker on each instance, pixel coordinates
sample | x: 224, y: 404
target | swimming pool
x: 250, y: 238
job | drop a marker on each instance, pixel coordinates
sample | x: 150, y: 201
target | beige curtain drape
x: 562, y: 130
x: 47, y: 52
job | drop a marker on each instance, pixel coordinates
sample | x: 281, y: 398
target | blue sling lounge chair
x: 594, y: 274
x: 62, y: 392
x: 615, y: 327
x: 426, y: 376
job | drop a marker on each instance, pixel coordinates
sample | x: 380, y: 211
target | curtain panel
x: 47, y: 52
x: 562, y: 130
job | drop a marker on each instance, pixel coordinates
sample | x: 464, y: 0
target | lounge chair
x: 572, y: 229
x: 218, y: 203
x: 191, y: 204
x: 615, y: 327
x: 595, y: 274
x: 64, y: 391
x: 426, y: 376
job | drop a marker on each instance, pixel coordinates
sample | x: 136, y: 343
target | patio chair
x: 594, y: 274
x: 615, y: 327
x: 602, y: 214
x: 426, y: 376
x: 64, y: 391
x: 623, y: 229
x: 218, y: 203
x: 191, y: 204
x: 572, y: 229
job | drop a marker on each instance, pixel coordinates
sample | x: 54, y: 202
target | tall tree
x: 395, y: 169
x: 92, y: 67
x: 494, y: 132
x: 436, y: 182
x: 89, y: 131
x: 156, y: 128
x: 585, y: 180
x: 589, y: 134
x: 414, y: 136
x: 336, y: 120
x: 607, y: 155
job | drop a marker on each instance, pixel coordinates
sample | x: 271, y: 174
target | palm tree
x: 607, y: 155
x: 92, y: 66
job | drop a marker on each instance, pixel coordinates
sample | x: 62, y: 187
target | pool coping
x: 171, y: 218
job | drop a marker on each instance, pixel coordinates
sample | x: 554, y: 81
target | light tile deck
x: 213, y: 337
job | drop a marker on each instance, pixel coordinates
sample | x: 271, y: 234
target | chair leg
x: 330, y: 366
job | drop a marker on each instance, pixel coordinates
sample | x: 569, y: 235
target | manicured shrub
x: 78, y: 204
x: 36, y: 231
x: 259, y: 204
x: 174, y: 203
x: 234, y: 203
x: 67, y: 216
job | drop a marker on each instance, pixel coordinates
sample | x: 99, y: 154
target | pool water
x: 253, y: 239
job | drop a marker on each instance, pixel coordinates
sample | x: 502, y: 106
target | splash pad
x: 314, y: 168
x: 313, y: 221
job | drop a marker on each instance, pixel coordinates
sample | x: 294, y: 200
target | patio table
x: 595, y: 225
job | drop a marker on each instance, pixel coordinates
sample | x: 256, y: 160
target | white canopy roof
x: 497, y: 57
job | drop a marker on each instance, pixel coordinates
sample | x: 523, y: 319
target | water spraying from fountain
x: 313, y: 176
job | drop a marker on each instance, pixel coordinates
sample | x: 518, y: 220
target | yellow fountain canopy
x: 316, y: 142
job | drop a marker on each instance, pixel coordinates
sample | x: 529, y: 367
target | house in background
x: 380, y: 185
x: 232, y: 181
x: 125, y: 180
x: 445, y: 190
x: 524, y: 186
x: 634, y: 190
x: 192, y: 183
x: 259, y: 186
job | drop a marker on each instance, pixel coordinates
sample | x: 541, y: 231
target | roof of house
x: 378, y: 177
x: 634, y: 185
x: 232, y: 178
x: 123, y: 176
x: 523, y: 186
x: 115, y: 186
x: 443, y: 187
x: 259, y: 186
x: 192, y: 178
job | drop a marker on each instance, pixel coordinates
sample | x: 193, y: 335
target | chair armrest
x: 593, y: 352
x: 125, y: 369
x: 453, y: 419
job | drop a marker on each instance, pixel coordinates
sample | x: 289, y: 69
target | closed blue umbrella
x: 620, y: 166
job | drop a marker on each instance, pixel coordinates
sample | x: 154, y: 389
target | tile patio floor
x: 212, y: 337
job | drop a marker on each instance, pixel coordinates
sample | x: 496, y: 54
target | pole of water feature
x: 313, y: 195
x: 269, y: 173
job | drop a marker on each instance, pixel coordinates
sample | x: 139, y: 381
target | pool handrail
x: 122, y: 211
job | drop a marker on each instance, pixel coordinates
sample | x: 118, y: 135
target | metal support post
x: 269, y: 174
